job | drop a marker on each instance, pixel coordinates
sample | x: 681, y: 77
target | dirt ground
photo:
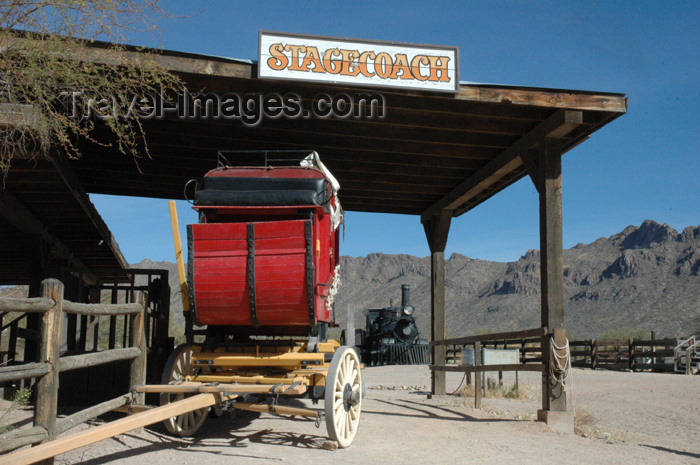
x: 623, y: 418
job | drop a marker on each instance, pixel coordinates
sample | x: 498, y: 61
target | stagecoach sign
x: 358, y: 62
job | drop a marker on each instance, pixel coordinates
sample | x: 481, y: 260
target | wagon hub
x: 347, y: 397
x: 350, y: 397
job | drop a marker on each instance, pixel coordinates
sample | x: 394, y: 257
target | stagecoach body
x: 262, y: 274
x: 264, y: 257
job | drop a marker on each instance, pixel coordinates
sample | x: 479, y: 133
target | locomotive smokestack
x: 405, y: 294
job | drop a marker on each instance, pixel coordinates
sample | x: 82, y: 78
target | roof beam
x: 24, y: 220
x: 558, y: 125
x: 73, y: 185
x: 544, y: 98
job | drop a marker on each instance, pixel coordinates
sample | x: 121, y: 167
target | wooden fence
x: 530, y: 349
x: 528, y: 340
x: 51, y: 307
x: 19, y: 334
x: 633, y: 354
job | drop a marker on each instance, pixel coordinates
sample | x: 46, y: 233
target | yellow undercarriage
x: 265, y: 365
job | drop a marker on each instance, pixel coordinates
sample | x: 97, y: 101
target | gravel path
x: 625, y: 418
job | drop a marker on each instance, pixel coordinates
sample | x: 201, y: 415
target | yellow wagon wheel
x: 343, y: 397
x: 179, y: 366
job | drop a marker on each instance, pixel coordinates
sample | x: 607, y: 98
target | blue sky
x: 644, y: 165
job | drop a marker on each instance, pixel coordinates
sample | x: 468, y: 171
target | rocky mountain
x: 644, y: 278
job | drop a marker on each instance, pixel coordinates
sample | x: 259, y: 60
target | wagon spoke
x: 179, y: 366
x: 346, y: 373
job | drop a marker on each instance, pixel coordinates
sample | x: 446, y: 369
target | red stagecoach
x: 262, y: 273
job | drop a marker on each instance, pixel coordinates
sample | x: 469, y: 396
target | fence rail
x: 52, y: 306
x: 527, y: 341
x: 102, y: 309
x: 530, y: 349
x: 26, y: 305
x: 652, y: 354
x: 633, y: 354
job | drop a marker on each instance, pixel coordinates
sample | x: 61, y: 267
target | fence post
x: 12, y: 342
x: 138, y: 339
x: 49, y: 351
x: 477, y: 375
x: 594, y: 354
x: 2, y: 356
x: 631, y: 352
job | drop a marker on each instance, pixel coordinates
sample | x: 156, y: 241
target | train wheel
x: 179, y: 365
x: 343, y: 397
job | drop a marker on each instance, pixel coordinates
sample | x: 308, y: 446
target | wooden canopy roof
x: 430, y: 152
x: 47, y: 223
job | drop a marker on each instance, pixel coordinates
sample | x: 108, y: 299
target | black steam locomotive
x: 391, y: 336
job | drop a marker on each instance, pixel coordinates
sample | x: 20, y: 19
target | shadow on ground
x: 228, y: 437
x: 437, y: 412
x: 233, y: 434
x: 673, y: 451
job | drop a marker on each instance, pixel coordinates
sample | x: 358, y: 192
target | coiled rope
x: 560, y: 369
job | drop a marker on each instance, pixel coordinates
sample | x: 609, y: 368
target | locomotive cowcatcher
x: 262, y: 273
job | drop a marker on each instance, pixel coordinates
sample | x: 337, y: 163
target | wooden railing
x: 684, y: 351
x: 530, y: 349
x: 632, y: 354
x: 486, y: 340
x: 51, y: 306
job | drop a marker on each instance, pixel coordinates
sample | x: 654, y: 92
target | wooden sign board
x: 358, y: 62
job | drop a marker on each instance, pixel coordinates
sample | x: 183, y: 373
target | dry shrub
x: 493, y: 390
x: 466, y: 391
x: 584, y: 422
x: 524, y: 392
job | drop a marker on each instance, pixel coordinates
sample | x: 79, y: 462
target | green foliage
x: 20, y: 398
x: 46, y: 56
x: 624, y: 333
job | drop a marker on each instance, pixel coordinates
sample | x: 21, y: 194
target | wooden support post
x: 478, y: 377
x: 547, y: 179
x: 138, y: 340
x: 85, y: 320
x: 551, y: 264
x: 12, y: 343
x: 436, y: 230
x: 49, y: 351
x: 112, y: 319
x: 631, y: 357
x: 594, y: 354
x: 2, y: 359
x: 437, y: 316
x: 32, y: 321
